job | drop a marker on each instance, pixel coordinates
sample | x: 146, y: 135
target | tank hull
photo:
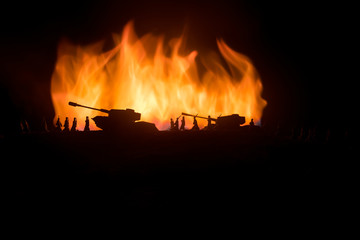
x: 114, y: 125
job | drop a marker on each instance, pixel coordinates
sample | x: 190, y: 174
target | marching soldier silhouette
x: 209, y: 126
x: 58, y: 125
x: 74, y: 124
x: 195, y: 127
x: 66, y: 125
x: 252, y: 122
x: 172, y: 124
x: 176, y: 125
x: 87, y: 124
x: 182, y: 127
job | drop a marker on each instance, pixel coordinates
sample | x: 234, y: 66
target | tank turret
x: 119, y: 120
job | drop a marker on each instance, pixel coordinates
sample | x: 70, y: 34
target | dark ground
x: 243, y: 172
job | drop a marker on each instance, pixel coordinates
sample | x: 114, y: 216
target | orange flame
x: 138, y: 74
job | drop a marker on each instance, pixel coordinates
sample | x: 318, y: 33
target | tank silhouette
x: 119, y: 120
x: 229, y: 122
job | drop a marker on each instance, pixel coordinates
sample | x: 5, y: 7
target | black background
x: 304, y: 51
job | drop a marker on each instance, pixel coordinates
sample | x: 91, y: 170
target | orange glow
x: 138, y: 74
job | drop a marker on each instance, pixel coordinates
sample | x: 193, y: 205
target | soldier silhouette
x: 252, y: 122
x: 195, y: 127
x: 58, y: 125
x: 66, y: 125
x: 74, y: 124
x: 171, y: 124
x: 182, y: 127
x: 176, y: 125
x: 87, y: 124
x: 209, y: 126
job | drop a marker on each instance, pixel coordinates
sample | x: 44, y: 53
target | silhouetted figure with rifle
x: 252, y: 124
x: 196, y: 126
x: 87, y: 124
x: 176, y: 125
x: 172, y: 125
x: 74, y: 124
x: 58, y: 125
x: 66, y: 125
x: 182, y: 127
x: 209, y: 126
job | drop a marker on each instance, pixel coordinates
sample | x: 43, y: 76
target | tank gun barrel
x: 79, y: 105
x: 191, y: 115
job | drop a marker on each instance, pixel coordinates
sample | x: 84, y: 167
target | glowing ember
x: 138, y: 74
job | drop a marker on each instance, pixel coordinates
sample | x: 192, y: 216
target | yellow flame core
x: 138, y: 74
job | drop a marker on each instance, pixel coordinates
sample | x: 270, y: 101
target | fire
x: 155, y: 79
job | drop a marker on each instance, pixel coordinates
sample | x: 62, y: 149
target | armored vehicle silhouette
x: 230, y: 122
x: 119, y: 120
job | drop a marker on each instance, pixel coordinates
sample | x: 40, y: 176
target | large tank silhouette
x: 119, y: 120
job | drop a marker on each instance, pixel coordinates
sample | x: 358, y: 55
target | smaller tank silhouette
x: 230, y: 122
x: 119, y: 120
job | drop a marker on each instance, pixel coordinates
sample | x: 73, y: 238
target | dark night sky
x: 301, y: 49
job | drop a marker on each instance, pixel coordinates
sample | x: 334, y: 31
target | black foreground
x: 204, y: 170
